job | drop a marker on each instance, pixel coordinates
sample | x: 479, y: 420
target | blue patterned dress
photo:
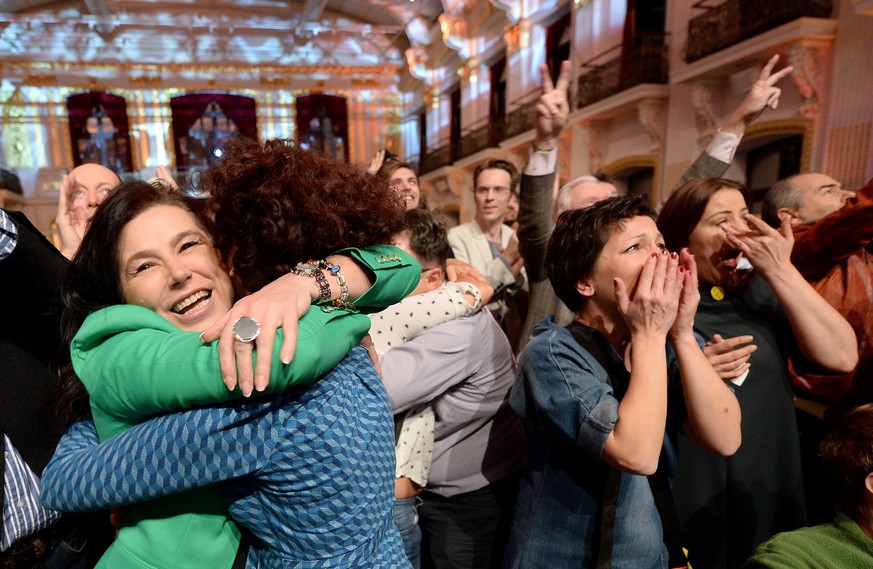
x: 309, y: 472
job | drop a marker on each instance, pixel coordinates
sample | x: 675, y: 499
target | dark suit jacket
x: 30, y: 280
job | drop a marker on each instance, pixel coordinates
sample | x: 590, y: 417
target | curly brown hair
x: 277, y: 205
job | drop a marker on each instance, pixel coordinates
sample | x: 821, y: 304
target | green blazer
x: 136, y: 365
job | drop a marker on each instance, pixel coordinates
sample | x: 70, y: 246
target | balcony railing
x: 479, y: 136
x: 644, y: 64
x: 435, y: 158
x: 736, y: 20
x: 520, y: 118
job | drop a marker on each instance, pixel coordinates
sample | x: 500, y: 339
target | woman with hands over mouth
x: 602, y: 399
x: 309, y: 469
x: 727, y: 506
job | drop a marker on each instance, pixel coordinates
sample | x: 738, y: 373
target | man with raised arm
x: 536, y: 214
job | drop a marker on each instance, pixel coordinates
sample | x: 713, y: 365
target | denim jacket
x: 565, y: 399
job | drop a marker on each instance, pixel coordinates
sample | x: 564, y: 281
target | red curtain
x: 84, y: 105
x: 322, y: 124
x: 186, y: 109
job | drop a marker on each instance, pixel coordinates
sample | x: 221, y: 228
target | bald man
x: 833, y: 243
x: 82, y: 190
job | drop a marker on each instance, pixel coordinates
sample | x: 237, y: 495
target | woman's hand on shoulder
x: 280, y: 304
x: 459, y: 271
x: 656, y: 298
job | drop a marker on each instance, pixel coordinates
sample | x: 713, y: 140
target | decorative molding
x: 40, y: 80
x: 454, y: 32
x: 786, y: 127
x: 638, y: 161
x: 598, y: 132
x: 150, y: 82
x: 863, y: 7
x: 517, y: 36
x: 703, y: 96
x: 806, y: 78
x: 653, y: 118
x: 760, y: 47
x: 512, y: 8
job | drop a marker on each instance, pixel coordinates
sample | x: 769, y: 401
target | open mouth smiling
x: 193, y: 302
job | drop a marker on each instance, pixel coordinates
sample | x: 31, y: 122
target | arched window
x: 204, y: 122
x: 99, y: 130
x: 322, y: 124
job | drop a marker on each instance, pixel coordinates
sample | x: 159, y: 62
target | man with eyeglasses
x: 486, y: 242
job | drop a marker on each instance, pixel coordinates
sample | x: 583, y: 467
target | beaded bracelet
x: 313, y: 269
x: 343, y: 300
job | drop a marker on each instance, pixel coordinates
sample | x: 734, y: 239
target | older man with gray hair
x: 833, y: 242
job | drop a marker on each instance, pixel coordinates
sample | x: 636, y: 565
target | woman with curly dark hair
x: 307, y: 471
x: 276, y: 205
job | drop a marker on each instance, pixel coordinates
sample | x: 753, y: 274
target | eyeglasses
x: 498, y: 190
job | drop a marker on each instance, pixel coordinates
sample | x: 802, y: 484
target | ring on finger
x: 246, y: 329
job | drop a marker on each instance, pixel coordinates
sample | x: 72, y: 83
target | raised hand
x: 376, y: 161
x: 552, y: 108
x: 71, y: 224
x: 162, y: 173
x: 763, y: 94
x: 510, y: 252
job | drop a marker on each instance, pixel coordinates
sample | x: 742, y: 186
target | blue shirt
x: 310, y: 472
x: 565, y: 399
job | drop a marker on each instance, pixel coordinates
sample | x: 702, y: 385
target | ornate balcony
x: 435, y: 158
x: 480, y: 136
x: 736, y: 20
x: 519, y: 119
x: 644, y: 64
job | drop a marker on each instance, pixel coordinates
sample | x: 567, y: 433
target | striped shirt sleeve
x: 23, y: 515
x: 8, y: 235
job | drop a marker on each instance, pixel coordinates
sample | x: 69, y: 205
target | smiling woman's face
x: 716, y: 258
x: 168, y: 265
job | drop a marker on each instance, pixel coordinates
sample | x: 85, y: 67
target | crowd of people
x: 309, y: 368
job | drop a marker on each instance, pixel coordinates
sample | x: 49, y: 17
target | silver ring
x: 246, y: 329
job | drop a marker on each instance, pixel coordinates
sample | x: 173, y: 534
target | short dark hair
x: 578, y: 241
x: 783, y: 194
x: 428, y: 237
x: 277, y: 205
x: 391, y: 165
x: 684, y: 208
x: 496, y: 164
x: 847, y: 454
x: 93, y: 279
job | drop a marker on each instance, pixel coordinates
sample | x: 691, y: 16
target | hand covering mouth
x: 731, y: 259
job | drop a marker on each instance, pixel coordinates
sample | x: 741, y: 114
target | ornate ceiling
x: 345, y: 44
